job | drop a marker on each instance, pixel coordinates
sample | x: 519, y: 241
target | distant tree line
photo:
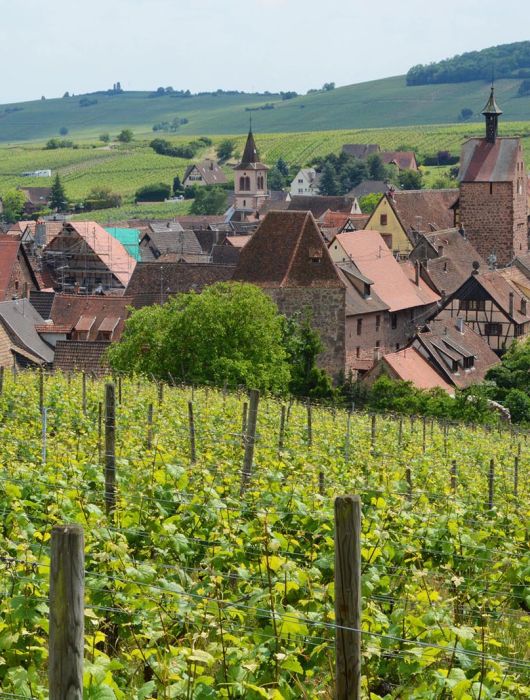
x: 188, y: 151
x: 506, y: 60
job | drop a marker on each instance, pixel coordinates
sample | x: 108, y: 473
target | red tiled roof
x: 375, y: 261
x: 53, y: 328
x: 287, y: 250
x: 8, y: 257
x: 79, y: 355
x: 405, y: 160
x: 424, y: 210
x: 483, y: 161
x: 87, y: 313
x: 409, y: 366
x: 237, y: 241
x: 425, y: 292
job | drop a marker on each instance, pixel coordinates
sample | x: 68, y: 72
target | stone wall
x: 21, y: 281
x: 327, y: 309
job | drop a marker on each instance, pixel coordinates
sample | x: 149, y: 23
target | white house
x: 305, y: 182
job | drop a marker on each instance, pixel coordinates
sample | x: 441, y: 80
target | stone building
x: 493, y: 204
x: 17, y: 277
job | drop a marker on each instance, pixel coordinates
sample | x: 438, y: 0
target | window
x: 393, y: 321
x: 472, y: 305
x: 397, y: 347
x: 493, y: 329
x: 260, y: 182
x: 491, y: 187
x: 366, y: 291
x: 518, y: 330
x: 300, y: 181
x: 469, y: 362
x: 378, y: 322
x: 300, y: 190
x: 383, y: 219
x: 357, y: 351
x: 359, y: 326
x: 244, y: 183
x: 377, y: 343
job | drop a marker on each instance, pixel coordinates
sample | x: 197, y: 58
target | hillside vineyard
x: 194, y: 589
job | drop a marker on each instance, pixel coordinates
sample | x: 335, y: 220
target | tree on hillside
x: 13, y: 205
x: 230, y: 333
x: 104, y: 138
x: 303, y: 344
x: 58, y: 200
x: 225, y: 149
x: 328, y: 184
x: 275, y: 179
x: 410, y: 180
x: 369, y: 202
x: 376, y: 168
x: 282, y: 167
x: 177, y: 186
x: 125, y: 136
x: 63, y: 130
x: 209, y: 200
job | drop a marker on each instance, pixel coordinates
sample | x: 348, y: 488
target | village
x: 431, y: 287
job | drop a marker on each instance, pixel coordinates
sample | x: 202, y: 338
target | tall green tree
x: 410, y: 180
x: 230, y: 333
x: 303, y: 344
x: 376, y: 168
x: 209, y: 200
x: 58, y: 198
x: 328, y: 183
x: 225, y: 149
x: 13, y: 204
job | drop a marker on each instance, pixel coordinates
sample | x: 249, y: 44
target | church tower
x: 493, y: 204
x: 250, y: 181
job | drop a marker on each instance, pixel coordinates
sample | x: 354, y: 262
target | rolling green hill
x: 380, y: 103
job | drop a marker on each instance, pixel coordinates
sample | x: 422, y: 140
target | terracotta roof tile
x: 9, y: 248
x: 78, y: 355
x: 424, y: 210
x: 410, y: 366
x: 482, y: 161
x: 87, y: 313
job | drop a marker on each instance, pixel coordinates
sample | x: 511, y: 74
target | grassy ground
x: 125, y: 168
x: 379, y: 103
x: 138, y: 211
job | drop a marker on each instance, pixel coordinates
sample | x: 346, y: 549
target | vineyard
x: 125, y: 168
x: 202, y: 584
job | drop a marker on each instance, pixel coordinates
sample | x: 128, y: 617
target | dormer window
x: 366, y: 290
x: 315, y: 255
x: 469, y: 362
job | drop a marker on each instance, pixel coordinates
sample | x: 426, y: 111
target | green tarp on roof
x: 129, y: 238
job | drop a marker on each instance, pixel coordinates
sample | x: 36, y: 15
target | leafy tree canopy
x: 58, y: 199
x: 209, y: 200
x: 13, y: 202
x: 230, y: 333
x: 225, y: 149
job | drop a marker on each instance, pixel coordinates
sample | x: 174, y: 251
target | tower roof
x: 250, y: 159
x: 491, y: 106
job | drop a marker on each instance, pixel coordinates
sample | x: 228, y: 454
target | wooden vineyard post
x: 110, y: 449
x: 191, y: 421
x: 373, y: 431
x: 67, y: 610
x: 347, y: 441
x: 41, y: 389
x: 491, y: 479
x: 250, y: 439
x: 244, y: 418
x: 408, y: 476
x: 100, y: 420
x: 160, y: 393
x: 309, y: 424
x: 119, y: 389
x: 424, y: 434
x: 44, y: 429
x: 321, y: 482
x: 453, y: 476
x: 348, y: 598
x: 400, y: 432
x: 282, y: 428
x: 516, y: 476
x: 150, y: 426
x: 83, y: 392
x: 445, y: 438
x: 1, y: 381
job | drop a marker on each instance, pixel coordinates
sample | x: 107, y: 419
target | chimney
x: 462, y: 231
x: 26, y: 290
x: 417, y: 273
x: 460, y: 325
x: 510, y: 308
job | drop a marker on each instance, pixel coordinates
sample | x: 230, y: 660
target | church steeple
x: 250, y: 154
x: 492, y: 112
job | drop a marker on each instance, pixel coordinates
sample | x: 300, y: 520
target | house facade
x: 305, y: 182
x: 207, y: 172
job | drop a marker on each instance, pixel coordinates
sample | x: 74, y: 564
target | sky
x: 48, y: 47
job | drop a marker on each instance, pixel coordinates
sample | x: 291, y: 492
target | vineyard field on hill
x: 195, y: 590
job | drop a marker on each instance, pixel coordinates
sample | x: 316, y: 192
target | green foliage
x: 376, y: 167
x: 510, y: 61
x: 328, y: 183
x: 166, y: 148
x: 275, y: 179
x: 225, y: 149
x: 13, y: 203
x: 303, y: 345
x: 153, y: 193
x: 104, y: 138
x: 209, y: 200
x: 524, y: 88
x: 369, y: 202
x: 230, y: 333
x: 102, y: 198
x: 54, y: 143
x: 177, y: 186
x: 125, y: 136
x: 410, y: 180
x: 58, y: 199
x: 465, y: 114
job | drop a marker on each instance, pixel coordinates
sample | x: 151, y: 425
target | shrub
x: 153, y: 193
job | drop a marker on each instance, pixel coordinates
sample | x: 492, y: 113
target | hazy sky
x: 50, y: 46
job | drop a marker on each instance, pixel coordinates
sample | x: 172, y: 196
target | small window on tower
x: 491, y: 187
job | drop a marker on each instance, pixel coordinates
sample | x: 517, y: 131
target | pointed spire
x: 491, y: 106
x: 491, y: 113
x: 250, y: 154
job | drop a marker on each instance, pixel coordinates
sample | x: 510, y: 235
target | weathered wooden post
x: 41, y: 389
x: 347, y: 441
x: 44, y: 420
x: 150, y: 427
x: 191, y: 421
x: 408, y: 476
x: 83, y: 392
x: 424, y: 434
x: 373, y: 433
x: 119, y: 389
x: 160, y: 393
x: 250, y: 439
x: 1, y: 381
x: 348, y: 597
x: 400, y: 431
x: 110, y: 450
x: 309, y: 424
x: 100, y: 421
x: 453, y: 476
x: 244, y: 418
x: 516, y: 476
x: 282, y: 427
x: 321, y: 482
x: 491, y: 478
x: 67, y: 609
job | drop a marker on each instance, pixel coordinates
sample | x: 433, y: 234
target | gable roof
x: 250, y: 159
x: 209, y: 170
x: 287, y: 250
x: 42, y: 302
x: 483, y: 161
x: 128, y: 237
x: 368, y: 187
x: 154, y: 282
x: 319, y: 204
x: 80, y: 355
x: 109, y: 250
x: 409, y: 366
x: 19, y: 319
x: 10, y: 249
x: 405, y: 160
x: 442, y: 342
x: 37, y: 195
x: 423, y: 210
x: 89, y: 313
x: 368, y: 250
x: 447, y: 258
x: 360, y: 150
x: 156, y: 243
